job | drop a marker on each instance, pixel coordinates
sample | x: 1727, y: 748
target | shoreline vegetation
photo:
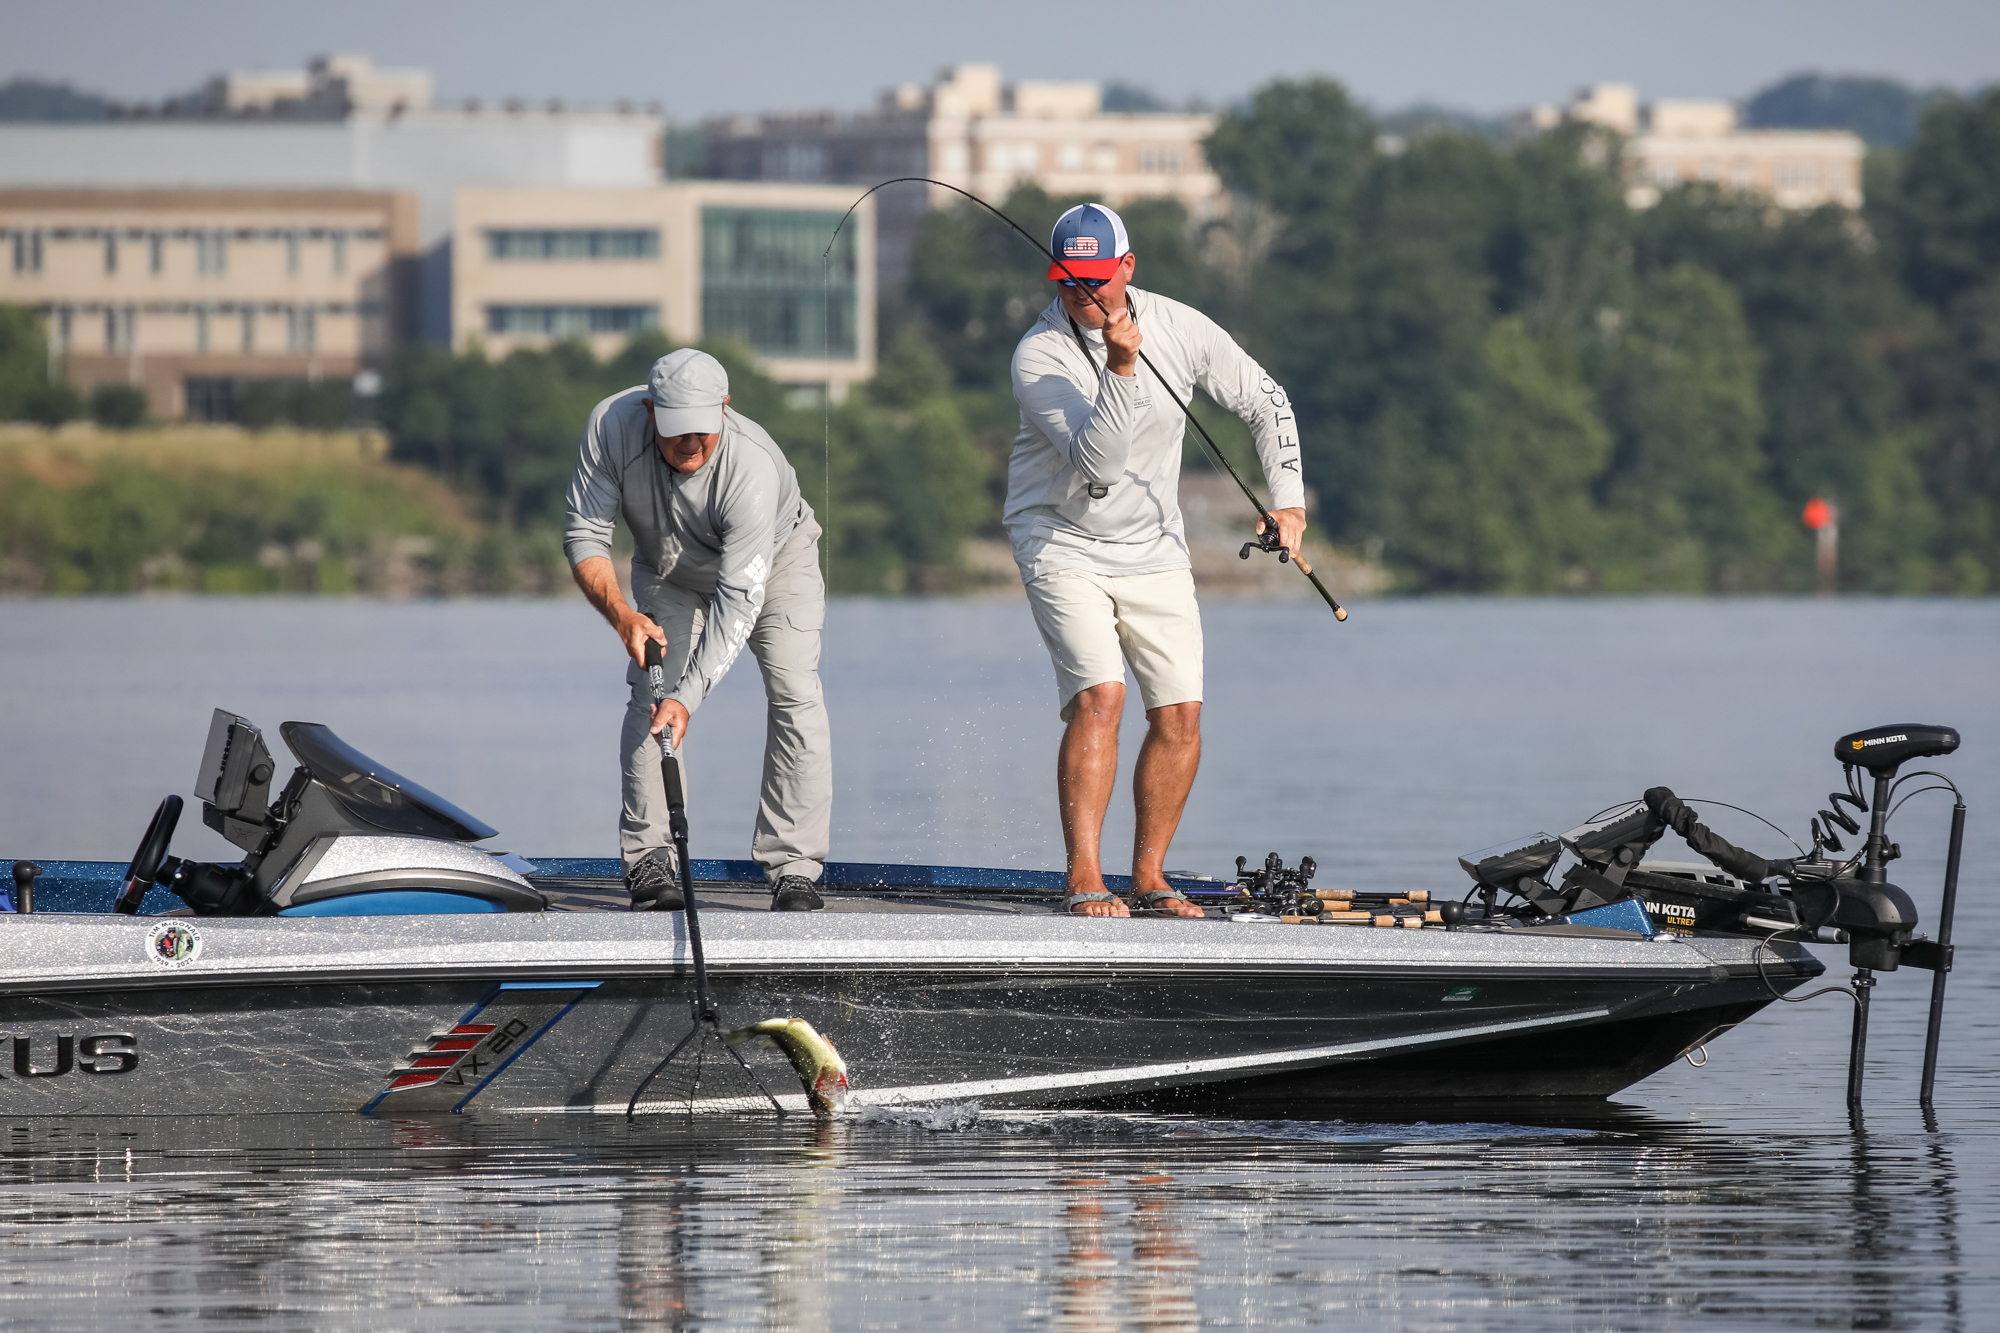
x: 1508, y: 380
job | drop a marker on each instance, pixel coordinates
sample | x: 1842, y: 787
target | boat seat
x: 395, y: 902
x: 426, y: 891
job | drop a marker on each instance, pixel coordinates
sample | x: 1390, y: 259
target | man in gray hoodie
x: 725, y: 555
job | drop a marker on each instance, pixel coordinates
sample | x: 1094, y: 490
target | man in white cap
x: 1093, y: 512
x: 725, y: 554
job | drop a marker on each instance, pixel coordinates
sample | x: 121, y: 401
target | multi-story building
x: 1670, y: 143
x: 697, y: 259
x: 192, y: 292
x: 970, y: 130
x: 343, y: 125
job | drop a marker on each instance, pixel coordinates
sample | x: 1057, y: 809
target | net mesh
x: 703, y: 1074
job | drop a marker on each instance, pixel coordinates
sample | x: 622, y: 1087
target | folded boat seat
x: 359, y: 875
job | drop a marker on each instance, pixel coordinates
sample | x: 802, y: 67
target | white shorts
x: 1094, y: 624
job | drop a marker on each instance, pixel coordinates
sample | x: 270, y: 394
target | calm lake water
x: 1733, y: 1196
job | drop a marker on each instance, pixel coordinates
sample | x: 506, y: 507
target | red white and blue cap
x: 1088, y: 241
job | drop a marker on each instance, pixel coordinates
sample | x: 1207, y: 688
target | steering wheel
x: 146, y: 861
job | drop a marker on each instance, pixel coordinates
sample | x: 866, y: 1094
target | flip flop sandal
x: 1074, y: 900
x: 1152, y: 898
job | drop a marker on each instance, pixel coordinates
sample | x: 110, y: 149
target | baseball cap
x: 687, y: 389
x: 1089, y: 240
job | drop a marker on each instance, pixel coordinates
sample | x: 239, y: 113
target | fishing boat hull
x: 566, y: 1011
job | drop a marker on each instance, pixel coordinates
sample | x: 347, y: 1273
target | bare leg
x: 1086, y: 768
x: 1160, y: 784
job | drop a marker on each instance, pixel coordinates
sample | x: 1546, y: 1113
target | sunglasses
x: 1091, y: 284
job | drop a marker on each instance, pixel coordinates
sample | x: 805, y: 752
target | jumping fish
x: 819, y: 1066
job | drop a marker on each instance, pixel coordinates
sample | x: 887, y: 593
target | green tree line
x: 1507, y: 379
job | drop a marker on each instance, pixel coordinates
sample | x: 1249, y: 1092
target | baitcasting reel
x: 1267, y: 540
x: 1274, y: 890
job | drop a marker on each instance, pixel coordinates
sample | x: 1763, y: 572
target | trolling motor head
x: 1879, y: 918
x: 1882, y: 750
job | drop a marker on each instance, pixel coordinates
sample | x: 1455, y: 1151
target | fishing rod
x: 1267, y: 536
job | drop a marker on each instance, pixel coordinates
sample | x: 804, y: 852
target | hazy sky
x: 698, y: 59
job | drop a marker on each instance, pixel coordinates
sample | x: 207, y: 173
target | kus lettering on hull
x: 454, y: 1066
x: 64, y: 1053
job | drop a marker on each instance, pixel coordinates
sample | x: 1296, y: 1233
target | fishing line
x: 1701, y: 800
x: 1270, y: 524
x: 826, y: 417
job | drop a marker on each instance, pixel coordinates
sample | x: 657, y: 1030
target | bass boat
x: 365, y: 955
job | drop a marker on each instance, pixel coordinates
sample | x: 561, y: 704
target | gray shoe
x: 653, y: 884
x: 795, y: 893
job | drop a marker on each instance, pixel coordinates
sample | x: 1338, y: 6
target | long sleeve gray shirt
x: 1082, y: 425
x: 714, y: 532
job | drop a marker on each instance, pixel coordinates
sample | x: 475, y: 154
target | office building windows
x: 209, y: 398
x: 1160, y: 161
x: 554, y: 245
x: 201, y: 328
x: 121, y: 328
x: 291, y: 252
x: 110, y: 252
x: 763, y: 280
x: 570, y: 321
x: 337, y: 249
x: 156, y: 248
x: 211, y: 253
x: 301, y: 329
x: 249, y: 318
x: 27, y: 252
x: 1797, y: 174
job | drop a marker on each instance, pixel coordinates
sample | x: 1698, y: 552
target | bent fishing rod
x: 1267, y: 537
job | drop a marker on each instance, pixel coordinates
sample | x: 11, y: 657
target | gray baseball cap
x: 687, y: 389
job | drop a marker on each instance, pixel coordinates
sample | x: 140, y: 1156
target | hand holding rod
x: 1270, y: 530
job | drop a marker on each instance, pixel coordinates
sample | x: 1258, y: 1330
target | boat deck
x: 595, y: 884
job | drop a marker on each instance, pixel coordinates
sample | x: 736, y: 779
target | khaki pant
x: 795, y: 809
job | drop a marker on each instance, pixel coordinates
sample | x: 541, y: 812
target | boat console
x: 346, y: 836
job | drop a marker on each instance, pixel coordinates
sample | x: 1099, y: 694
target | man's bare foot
x: 1108, y: 905
x: 1164, y: 906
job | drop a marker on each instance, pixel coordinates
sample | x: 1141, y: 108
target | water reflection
x: 1079, y: 1223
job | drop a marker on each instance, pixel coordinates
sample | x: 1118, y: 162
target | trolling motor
x: 1875, y: 919
x: 1879, y: 917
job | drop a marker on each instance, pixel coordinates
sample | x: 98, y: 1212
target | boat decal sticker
x: 455, y: 1065
x: 173, y: 943
x: 1461, y: 994
x: 1140, y: 1076
x: 98, y: 1053
x: 1132, y: 1078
